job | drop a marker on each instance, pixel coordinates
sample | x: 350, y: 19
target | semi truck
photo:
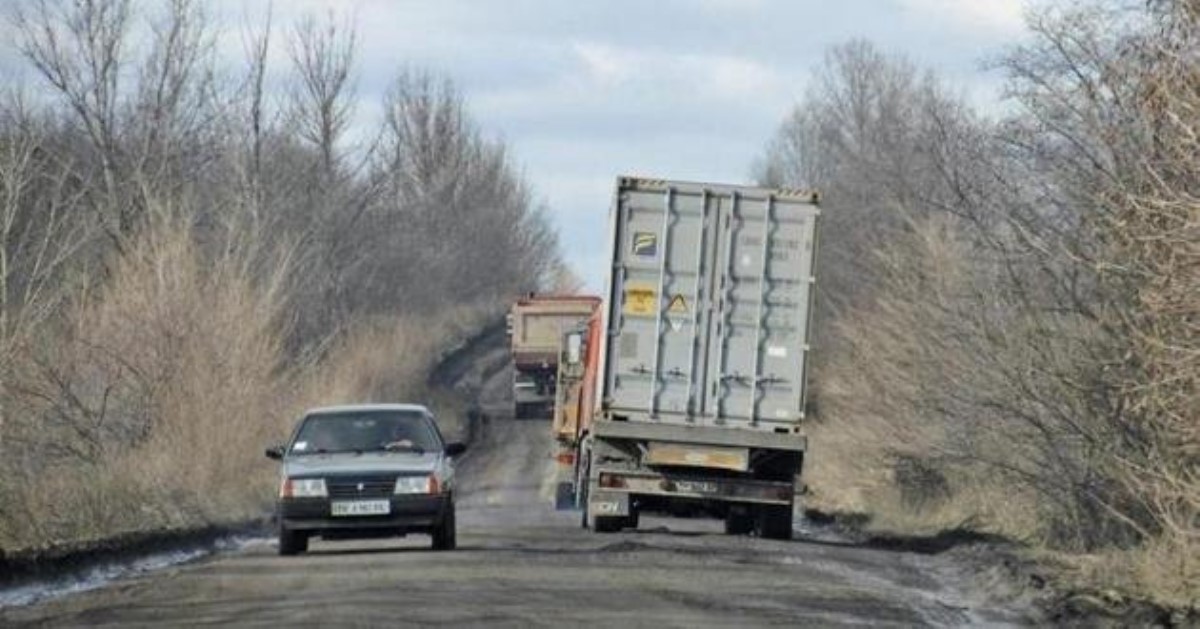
x: 697, y: 361
x: 536, y: 325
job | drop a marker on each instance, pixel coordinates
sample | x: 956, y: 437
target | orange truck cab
x: 575, y: 402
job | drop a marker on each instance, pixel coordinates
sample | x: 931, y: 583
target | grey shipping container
x: 703, y: 364
x: 709, y: 304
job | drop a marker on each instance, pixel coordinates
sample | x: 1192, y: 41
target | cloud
x: 712, y: 75
x: 584, y: 91
x: 991, y: 17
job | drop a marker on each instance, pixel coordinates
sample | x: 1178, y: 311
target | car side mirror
x: 275, y: 453
x: 455, y: 449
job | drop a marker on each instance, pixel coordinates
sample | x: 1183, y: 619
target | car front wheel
x: 292, y: 542
x: 445, y: 536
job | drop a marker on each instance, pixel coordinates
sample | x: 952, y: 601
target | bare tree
x: 172, y: 237
x: 323, y: 55
x: 79, y: 50
x: 456, y: 202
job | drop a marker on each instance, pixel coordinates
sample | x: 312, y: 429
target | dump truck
x: 536, y: 325
x: 702, y: 357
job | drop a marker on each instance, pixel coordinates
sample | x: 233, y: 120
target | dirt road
x: 521, y: 563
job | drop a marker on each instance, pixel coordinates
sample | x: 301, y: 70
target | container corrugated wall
x: 709, y: 304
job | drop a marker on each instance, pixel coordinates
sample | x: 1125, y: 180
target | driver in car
x: 400, y: 439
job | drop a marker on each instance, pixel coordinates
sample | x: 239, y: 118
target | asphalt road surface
x: 520, y: 563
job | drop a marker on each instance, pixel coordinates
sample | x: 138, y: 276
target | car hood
x: 365, y: 463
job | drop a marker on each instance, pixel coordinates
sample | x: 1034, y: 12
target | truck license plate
x: 361, y: 507
x: 696, y: 486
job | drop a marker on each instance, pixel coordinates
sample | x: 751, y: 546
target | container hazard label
x: 678, y: 305
x: 641, y: 300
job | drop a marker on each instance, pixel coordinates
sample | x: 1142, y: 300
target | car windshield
x: 370, y: 431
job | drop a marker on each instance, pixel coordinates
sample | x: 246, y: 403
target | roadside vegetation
x: 1009, y: 303
x: 196, y: 244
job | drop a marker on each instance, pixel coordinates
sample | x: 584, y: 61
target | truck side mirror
x: 455, y: 449
x: 275, y: 453
x: 574, y: 348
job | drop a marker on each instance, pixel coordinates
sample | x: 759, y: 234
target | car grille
x: 360, y: 486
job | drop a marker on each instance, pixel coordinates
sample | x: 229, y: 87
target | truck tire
x: 564, y: 496
x: 738, y: 523
x: 583, y: 485
x: 774, y: 522
x: 598, y: 523
x: 445, y: 536
x: 292, y: 542
x: 607, y: 523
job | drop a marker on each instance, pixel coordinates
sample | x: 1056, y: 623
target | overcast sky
x: 681, y: 89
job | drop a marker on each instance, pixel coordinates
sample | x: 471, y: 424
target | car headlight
x: 416, y: 485
x: 303, y: 488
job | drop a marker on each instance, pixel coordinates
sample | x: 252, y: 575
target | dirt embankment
x: 1001, y: 569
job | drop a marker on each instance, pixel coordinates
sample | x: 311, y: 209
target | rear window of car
x: 366, y: 431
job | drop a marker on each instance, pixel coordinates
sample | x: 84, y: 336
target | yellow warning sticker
x: 641, y: 300
x: 678, y: 305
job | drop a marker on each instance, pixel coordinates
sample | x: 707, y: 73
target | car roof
x: 362, y: 408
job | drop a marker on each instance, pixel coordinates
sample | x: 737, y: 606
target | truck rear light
x: 566, y: 458
x: 611, y: 481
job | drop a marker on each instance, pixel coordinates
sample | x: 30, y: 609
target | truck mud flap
x: 608, y: 503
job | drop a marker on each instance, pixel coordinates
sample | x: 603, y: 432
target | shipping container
x: 703, y: 364
x: 709, y: 305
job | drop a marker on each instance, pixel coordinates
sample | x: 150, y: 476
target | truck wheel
x: 607, y: 523
x: 774, y: 522
x: 292, y: 542
x: 564, y: 496
x: 581, y: 481
x: 738, y: 523
x: 445, y: 536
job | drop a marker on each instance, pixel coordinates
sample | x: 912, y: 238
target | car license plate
x: 360, y: 507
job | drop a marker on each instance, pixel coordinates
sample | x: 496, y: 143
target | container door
x: 759, y: 328
x: 663, y: 283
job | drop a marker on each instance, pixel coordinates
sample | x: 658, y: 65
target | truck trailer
x: 701, y: 357
x: 536, y: 325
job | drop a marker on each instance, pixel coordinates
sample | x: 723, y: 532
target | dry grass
x: 935, y: 417
x: 388, y: 360
x: 150, y: 407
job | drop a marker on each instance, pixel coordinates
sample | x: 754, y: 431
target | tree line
x: 198, y: 234
x: 1008, y: 308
